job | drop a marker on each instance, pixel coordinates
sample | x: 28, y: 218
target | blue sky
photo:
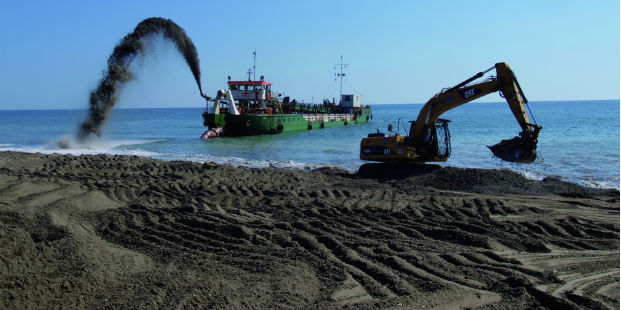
x: 53, y: 52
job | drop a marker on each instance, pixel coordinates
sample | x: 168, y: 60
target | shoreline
x: 258, y: 164
x: 119, y: 231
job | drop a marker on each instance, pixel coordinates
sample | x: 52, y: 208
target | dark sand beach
x: 127, y: 232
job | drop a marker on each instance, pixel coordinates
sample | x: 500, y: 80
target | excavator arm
x: 449, y: 99
x: 423, y: 142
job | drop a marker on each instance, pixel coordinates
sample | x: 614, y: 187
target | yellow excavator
x: 429, y: 138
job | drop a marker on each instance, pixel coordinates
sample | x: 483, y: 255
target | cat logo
x: 469, y: 93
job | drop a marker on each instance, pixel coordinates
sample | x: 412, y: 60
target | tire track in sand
x: 374, y: 242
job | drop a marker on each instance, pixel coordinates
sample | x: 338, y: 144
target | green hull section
x: 261, y: 124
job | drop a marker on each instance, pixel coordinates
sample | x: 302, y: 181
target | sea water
x: 579, y: 141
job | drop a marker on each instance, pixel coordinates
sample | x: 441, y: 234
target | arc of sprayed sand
x: 103, y: 98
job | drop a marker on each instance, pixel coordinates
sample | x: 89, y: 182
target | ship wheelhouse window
x: 233, y: 87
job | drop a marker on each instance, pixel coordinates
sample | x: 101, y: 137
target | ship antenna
x: 340, y: 75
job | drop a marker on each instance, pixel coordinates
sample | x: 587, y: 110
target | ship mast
x: 254, y: 65
x: 340, y: 75
x: 252, y: 72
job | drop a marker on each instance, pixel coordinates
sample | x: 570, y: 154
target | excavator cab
x: 443, y: 138
x: 435, y: 144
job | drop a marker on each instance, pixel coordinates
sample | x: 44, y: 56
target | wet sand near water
x: 127, y: 232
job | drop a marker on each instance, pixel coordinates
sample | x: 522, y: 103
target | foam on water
x: 228, y: 160
x: 68, y: 145
x: 94, y: 146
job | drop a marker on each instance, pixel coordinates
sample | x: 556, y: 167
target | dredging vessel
x: 251, y: 108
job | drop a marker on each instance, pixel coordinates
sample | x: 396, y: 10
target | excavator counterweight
x: 429, y: 138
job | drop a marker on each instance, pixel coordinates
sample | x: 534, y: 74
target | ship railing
x: 327, y: 117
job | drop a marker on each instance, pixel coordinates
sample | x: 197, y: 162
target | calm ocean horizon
x: 579, y: 141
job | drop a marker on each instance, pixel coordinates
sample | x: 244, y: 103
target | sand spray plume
x: 103, y: 98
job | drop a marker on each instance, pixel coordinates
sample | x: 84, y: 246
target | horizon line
x: 202, y: 107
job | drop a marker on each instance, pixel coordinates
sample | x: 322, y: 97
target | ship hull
x: 262, y: 124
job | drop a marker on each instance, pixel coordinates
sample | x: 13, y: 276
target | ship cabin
x: 351, y: 103
x: 251, y: 91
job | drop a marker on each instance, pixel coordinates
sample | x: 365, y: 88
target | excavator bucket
x: 522, y: 149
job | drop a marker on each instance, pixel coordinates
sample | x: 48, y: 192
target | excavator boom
x: 429, y: 139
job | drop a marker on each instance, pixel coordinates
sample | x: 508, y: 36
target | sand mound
x: 128, y: 232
